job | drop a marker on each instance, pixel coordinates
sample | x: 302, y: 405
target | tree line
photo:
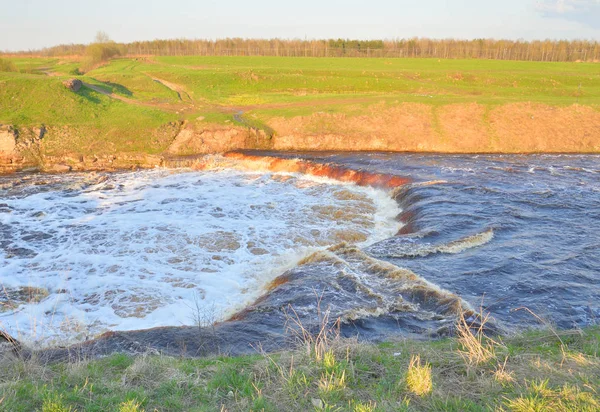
x: 537, y: 50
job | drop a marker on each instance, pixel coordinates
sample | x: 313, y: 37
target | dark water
x: 518, y: 236
x: 543, y: 211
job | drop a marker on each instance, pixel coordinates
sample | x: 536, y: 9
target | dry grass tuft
x: 577, y: 357
x: 54, y: 403
x: 418, y: 377
x: 150, y: 371
x: 476, y: 348
x: 503, y: 376
x: 541, y: 397
x: 331, y: 381
x: 317, y: 341
x: 365, y: 407
x: 130, y: 406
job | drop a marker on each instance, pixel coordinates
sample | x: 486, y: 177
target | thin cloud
x: 567, y: 6
x: 586, y: 12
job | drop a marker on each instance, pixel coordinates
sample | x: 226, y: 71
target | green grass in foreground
x: 536, y: 371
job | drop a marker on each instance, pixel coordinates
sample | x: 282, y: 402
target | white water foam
x: 157, y: 248
x: 408, y: 247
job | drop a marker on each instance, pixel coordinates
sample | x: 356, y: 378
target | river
x: 514, y: 236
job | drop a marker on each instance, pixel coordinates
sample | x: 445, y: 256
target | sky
x: 34, y: 24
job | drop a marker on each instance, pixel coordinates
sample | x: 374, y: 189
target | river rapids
x: 390, y: 244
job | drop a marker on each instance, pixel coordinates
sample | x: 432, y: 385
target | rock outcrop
x: 73, y: 84
x: 8, y: 140
x: 196, y: 139
x: 10, y: 160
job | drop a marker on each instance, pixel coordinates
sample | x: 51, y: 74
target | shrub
x: 101, y: 51
x: 7, y: 66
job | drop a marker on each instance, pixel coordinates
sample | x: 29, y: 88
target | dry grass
x: 541, y: 397
x: 317, y: 339
x: 365, y: 407
x: 476, y: 348
x: 54, y: 403
x: 503, y: 375
x: 536, y: 372
x: 418, y: 377
x: 330, y: 382
x: 150, y: 371
x: 130, y: 406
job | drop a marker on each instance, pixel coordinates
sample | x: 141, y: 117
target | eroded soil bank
x: 407, y: 127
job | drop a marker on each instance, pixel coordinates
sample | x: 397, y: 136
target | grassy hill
x: 127, y: 100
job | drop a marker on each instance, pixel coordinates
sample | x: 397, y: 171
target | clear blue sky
x: 29, y: 24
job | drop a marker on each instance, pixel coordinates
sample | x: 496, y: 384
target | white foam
x: 409, y: 247
x: 146, y: 249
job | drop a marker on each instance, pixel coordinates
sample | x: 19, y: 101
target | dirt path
x: 322, y: 102
x: 182, y: 93
x: 47, y: 72
x: 162, y: 106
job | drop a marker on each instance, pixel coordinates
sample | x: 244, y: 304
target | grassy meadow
x: 277, y: 86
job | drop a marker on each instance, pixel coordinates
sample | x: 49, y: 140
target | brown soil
x: 198, y: 139
x: 463, y: 128
x: 460, y: 128
x: 526, y: 127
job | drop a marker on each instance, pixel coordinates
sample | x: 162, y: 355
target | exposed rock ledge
x: 405, y: 127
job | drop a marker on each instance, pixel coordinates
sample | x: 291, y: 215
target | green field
x: 281, y: 83
x: 142, y: 94
x: 537, y: 371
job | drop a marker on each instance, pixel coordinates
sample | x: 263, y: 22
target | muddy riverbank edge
x: 519, y: 128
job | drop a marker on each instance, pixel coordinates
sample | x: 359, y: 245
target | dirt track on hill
x: 162, y: 106
x: 181, y: 91
x: 319, y: 102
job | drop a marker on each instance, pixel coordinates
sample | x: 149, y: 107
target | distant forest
x: 538, y: 50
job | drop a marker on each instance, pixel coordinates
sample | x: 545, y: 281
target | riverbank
x: 131, y: 111
x: 415, y: 128
x: 535, y: 370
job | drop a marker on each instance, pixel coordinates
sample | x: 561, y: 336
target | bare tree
x: 102, y: 37
x: 497, y: 49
